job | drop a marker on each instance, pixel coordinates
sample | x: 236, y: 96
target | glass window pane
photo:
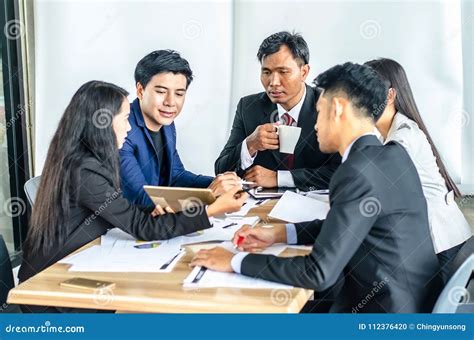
x: 6, y: 203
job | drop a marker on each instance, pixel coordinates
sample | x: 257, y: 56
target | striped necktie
x: 288, y: 159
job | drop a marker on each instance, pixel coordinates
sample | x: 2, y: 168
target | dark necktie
x: 288, y: 159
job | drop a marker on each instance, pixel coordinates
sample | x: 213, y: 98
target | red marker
x: 242, y: 238
x: 239, y: 241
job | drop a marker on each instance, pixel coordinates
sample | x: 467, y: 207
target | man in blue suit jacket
x: 149, y: 155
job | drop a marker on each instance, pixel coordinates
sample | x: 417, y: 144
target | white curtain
x: 80, y: 40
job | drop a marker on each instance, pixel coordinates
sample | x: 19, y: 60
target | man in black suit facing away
x: 376, y: 233
x: 253, y: 148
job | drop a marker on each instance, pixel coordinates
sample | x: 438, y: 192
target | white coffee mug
x: 288, y: 137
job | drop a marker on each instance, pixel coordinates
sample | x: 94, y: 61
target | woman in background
x: 401, y: 122
x: 79, y: 196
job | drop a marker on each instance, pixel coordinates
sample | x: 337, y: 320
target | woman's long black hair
x: 85, y: 129
x: 406, y: 105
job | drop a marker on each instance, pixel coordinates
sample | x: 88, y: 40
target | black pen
x: 243, y: 190
x: 229, y: 225
x: 163, y: 267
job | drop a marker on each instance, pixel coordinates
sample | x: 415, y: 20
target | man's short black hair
x: 366, y: 90
x: 162, y: 61
x: 294, y: 41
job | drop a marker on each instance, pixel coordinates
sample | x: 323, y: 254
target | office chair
x: 6, y: 279
x: 31, y: 188
x: 458, y: 294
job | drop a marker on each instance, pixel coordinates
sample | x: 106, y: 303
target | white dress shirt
x: 447, y: 223
x: 284, y: 177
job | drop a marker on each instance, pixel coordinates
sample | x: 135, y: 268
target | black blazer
x: 100, y: 207
x: 312, y: 168
x: 376, y: 234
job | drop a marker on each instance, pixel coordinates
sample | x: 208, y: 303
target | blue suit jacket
x: 139, y: 161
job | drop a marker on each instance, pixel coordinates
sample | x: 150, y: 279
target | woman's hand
x: 160, y: 211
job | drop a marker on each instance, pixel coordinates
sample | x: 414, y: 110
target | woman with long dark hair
x: 401, y: 122
x: 79, y: 195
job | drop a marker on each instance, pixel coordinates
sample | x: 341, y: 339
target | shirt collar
x: 295, y: 111
x: 398, y: 119
x: 348, y: 149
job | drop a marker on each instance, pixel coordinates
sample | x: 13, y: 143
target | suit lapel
x: 136, y: 111
x: 306, y: 121
x: 168, y: 141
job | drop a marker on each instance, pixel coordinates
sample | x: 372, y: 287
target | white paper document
x: 120, y: 252
x: 320, y: 195
x: 201, y: 277
x: 248, y: 205
x: 275, y: 249
x: 107, y: 259
x: 295, y: 208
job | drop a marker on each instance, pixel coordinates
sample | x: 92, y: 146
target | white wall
x: 81, y: 40
x: 77, y: 41
x: 424, y: 37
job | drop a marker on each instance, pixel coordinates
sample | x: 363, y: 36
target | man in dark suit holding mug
x: 375, y: 239
x: 253, y: 146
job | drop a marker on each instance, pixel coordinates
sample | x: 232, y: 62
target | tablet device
x: 179, y: 199
x: 260, y: 192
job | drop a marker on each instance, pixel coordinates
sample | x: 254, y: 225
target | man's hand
x: 258, y: 238
x: 262, y: 177
x: 225, y: 182
x: 264, y: 137
x: 217, y: 258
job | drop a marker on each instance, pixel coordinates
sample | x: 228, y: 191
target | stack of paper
x: 120, y: 252
x: 320, y: 195
x: 201, y: 277
x: 125, y: 259
x: 295, y: 208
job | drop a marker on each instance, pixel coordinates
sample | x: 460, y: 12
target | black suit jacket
x: 376, y: 234
x: 99, y: 207
x: 312, y: 168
